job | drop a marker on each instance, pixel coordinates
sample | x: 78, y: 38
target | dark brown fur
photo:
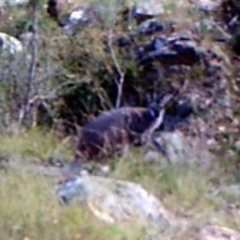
x: 112, y: 132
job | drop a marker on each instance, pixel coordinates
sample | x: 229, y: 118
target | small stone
x: 150, y: 26
x: 26, y: 238
x: 222, y: 129
x: 208, y: 5
x: 149, y: 8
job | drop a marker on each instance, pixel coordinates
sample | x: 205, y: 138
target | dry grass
x: 30, y: 210
x: 35, y: 143
x: 186, y: 190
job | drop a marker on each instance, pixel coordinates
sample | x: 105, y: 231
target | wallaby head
x: 152, y: 112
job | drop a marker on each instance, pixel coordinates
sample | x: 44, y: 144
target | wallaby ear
x: 164, y: 98
x: 154, y: 110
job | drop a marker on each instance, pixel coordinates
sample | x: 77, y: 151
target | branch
x: 120, y: 72
x: 32, y: 69
x: 51, y: 96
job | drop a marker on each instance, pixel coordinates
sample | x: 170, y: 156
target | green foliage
x: 62, y: 59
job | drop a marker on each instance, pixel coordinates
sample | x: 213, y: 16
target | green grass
x: 184, y: 189
x: 35, y: 143
x: 30, y: 209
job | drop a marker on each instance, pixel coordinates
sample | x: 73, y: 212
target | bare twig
x: 65, y: 84
x: 120, y: 72
x: 32, y: 68
x: 50, y: 96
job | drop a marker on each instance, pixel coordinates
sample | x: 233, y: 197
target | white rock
x: 116, y: 201
x: 149, y: 7
x: 76, y: 16
x: 13, y: 3
x: 208, y: 5
x: 9, y: 45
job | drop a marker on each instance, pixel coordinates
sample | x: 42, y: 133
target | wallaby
x: 113, y: 131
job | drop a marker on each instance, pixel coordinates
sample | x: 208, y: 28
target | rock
x: 85, y: 14
x: 154, y: 25
x: 232, y: 190
x: 124, y: 41
x: 175, y: 50
x: 115, y: 201
x: 208, y: 5
x: 180, y: 149
x: 183, y: 108
x: 9, y: 46
x: 212, y: 232
x: 171, y: 122
x: 13, y: 3
x: 178, y: 112
x: 82, y: 16
x: 143, y: 52
x: 149, y: 27
x: 73, y: 189
x: 54, y: 161
x: 146, y: 9
x: 76, y: 20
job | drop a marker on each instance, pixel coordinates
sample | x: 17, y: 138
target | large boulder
x: 116, y: 201
x: 177, y: 148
